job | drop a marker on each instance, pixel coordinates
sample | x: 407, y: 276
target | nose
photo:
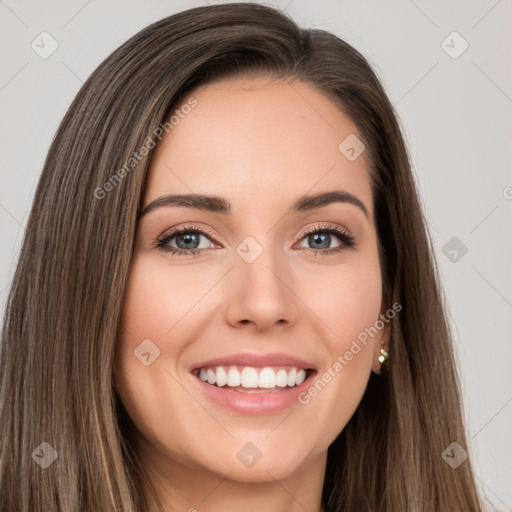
x: 261, y: 293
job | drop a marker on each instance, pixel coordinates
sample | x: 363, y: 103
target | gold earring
x: 384, y: 356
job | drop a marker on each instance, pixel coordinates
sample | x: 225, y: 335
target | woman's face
x: 260, y: 291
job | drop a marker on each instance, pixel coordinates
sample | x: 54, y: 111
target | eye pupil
x: 317, y: 238
x: 188, y: 238
x: 187, y: 241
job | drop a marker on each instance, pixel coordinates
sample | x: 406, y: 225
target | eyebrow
x: 216, y: 204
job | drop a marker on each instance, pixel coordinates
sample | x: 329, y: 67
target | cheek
x: 347, y: 298
x: 356, y: 304
x: 156, y: 300
x: 150, y: 393
x: 146, y: 318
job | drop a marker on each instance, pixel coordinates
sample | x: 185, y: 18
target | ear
x: 381, y: 340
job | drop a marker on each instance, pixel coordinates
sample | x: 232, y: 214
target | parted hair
x: 63, y: 309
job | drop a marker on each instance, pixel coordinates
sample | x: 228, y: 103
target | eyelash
x: 347, y: 240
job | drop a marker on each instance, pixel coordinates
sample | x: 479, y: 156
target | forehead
x: 264, y: 138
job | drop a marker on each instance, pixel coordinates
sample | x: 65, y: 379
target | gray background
x: 456, y: 116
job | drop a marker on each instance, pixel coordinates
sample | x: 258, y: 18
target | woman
x: 226, y: 297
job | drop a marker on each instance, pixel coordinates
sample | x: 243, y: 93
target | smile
x: 253, y: 384
x: 249, y: 379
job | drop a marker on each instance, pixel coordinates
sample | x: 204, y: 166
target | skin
x: 259, y: 143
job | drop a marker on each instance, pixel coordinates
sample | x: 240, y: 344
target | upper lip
x: 256, y: 360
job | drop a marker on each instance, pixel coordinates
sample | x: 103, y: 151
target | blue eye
x: 322, y: 236
x: 188, y: 238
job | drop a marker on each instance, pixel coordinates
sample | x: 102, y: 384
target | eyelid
x: 188, y: 227
x: 342, y: 233
x: 320, y: 225
x: 197, y: 227
x: 347, y: 239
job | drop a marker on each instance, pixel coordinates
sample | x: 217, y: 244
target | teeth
x: 210, y: 376
x: 221, y: 377
x: 267, y: 378
x: 234, y: 378
x: 301, y: 377
x: 282, y: 378
x: 249, y: 377
x: 291, y: 377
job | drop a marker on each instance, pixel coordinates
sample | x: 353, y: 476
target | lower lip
x: 254, y: 403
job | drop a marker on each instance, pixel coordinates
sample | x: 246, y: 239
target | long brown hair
x: 63, y: 309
